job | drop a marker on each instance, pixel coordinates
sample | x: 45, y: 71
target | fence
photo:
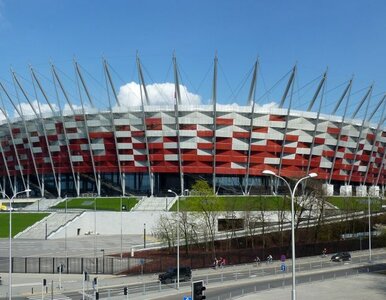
x: 71, y: 265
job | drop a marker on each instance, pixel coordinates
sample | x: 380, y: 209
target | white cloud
x: 67, y: 108
x: 159, y: 94
x: 26, y: 109
x: 268, y: 105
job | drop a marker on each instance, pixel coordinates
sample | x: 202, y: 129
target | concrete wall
x: 109, y: 223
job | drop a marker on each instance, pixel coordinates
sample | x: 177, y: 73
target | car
x: 171, y: 275
x: 341, y: 256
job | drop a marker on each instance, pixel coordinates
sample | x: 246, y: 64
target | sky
x: 347, y: 37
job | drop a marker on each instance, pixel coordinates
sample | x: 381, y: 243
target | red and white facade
x: 238, y: 141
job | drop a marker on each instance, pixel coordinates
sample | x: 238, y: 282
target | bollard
x: 322, y: 277
x: 255, y: 289
x: 334, y: 276
x: 236, y: 276
x: 269, y: 286
x: 144, y: 289
x: 160, y: 287
x: 309, y: 279
x: 346, y: 273
x: 32, y: 291
x: 222, y: 277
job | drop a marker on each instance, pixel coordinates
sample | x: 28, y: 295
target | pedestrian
x: 215, y: 263
x: 222, y: 263
x: 269, y: 259
x: 257, y: 260
x: 324, y: 252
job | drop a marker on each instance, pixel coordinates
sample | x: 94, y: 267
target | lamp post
x: 311, y: 175
x: 10, y: 238
x: 369, y: 213
x: 65, y: 230
x: 178, y: 238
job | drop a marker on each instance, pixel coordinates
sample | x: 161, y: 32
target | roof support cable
x: 176, y: 112
x: 142, y: 85
x: 214, y: 136
x: 336, y: 149
x: 112, y: 121
x: 318, y: 89
x: 85, y: 121
x: 251, y: 101
x: 63, y: 125
x: 3, y: 110
x: 361, y: 133
x: 343, y: 96
x: 43, y: 123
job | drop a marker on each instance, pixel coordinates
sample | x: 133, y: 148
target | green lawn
x: 355, y: 203
x: 105, y: 203
x: 20, y: 221
x: 233, y: 203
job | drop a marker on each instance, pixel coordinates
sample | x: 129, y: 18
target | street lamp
x: 311, y: 175
x: 178, y: 238
x: 10, y: 238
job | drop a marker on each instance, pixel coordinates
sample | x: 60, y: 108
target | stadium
x: 148, y: 149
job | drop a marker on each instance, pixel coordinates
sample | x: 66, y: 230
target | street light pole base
x: 293, y: 294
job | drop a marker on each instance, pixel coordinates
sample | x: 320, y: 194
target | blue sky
x: 348, y: 37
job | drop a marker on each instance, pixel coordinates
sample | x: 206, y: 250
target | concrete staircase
x: 154, y: 204
x: 48, y: 225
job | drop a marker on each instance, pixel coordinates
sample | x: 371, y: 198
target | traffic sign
x: 283, y: 267
x: 282, y: 258
x: 187, y: 298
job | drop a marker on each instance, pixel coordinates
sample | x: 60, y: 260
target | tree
x: 166, y: 230
x: 208, y: 208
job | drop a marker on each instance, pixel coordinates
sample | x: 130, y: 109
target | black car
x: 341, y: 256
x: 171, y: 275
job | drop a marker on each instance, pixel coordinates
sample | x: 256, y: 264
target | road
x: 220, y: 282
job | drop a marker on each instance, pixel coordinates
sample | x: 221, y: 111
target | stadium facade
x: 150, y: 149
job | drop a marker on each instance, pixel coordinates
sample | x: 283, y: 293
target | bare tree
x: 209, y: 209
x: 166, y: 230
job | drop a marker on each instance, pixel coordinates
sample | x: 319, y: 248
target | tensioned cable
x: 185, y: 88
x: 274, y: 86
x: 243, y: 82
x: 186, y: 76
x: 96, y: 81
x: 165, y: 97
x: 205, y: 76
x: 226, y: 80
x: 122, y: 81
x: 260, y: 72
x: 297, y: 92
x: 167, y: 72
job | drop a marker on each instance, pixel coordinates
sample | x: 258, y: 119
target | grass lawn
x: 20, y: 221
x: 105, y: 203
x: 233, y: 203
x: 355, y: 203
